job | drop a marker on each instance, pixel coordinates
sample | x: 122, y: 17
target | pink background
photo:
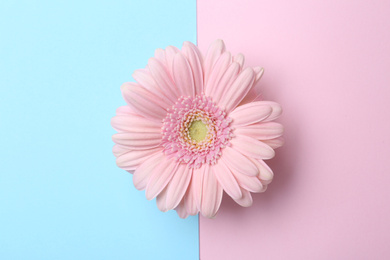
x: 328, y: 64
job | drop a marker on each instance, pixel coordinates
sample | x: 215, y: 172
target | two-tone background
x: 61, y: 66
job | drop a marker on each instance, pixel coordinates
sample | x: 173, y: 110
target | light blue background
x: 61, y: 67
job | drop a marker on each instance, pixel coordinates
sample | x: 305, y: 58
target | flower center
x: 195, y: 131
x: 198, y: 130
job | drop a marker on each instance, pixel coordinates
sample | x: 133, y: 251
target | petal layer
x: 245, y: 200
x: 266, y: 175
x: 227, y: 180
x: 252, y: 148
x: 189, y: 198
x: 276, y: 110
x: 125, y: 123
x: 138, y: 140
x: 261, y: 131
x: 144, y: 102
x: 144, y: 171
x: 238, y: 90
x: 160, y: 177
x: 126, y: 110
x: 178, y: 186
x: 163, y: 79
x: 215, y: 50
x: 145, y: 79
x: 226, y: 81
x: 275, y: 143
x: 118, y: 150
x: 212, y: 194
x: 197, y: 184
x: 181, y: 210
x: 238, y: 162
x: 161, y: 200
x: 218, y: 71
x: 250, y: 183
x: 240, y: 59
x: 195, y: 60
x: 130, y: 160
x: 182, y: 75
x: 250, y: 113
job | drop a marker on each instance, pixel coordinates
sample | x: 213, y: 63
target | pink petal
x: 212, y: 194
x: 160, y: 55
x: 240, y: 59
x: 197, y: 183
x: 252, y: 148
x: 132, y: 159
x: 250, y: 113
x: 259, y: 71
x: 194, y: 58
x: 275, y: 143
x: 226, y: 81
x: 266, y: 175
x: 181, y: 210
x: 144, y: 102
x: 145, y: 79
x: 254, y: 94
x: 264, y: 188
x: 250, y: 97
x: 227, y: 180
x: 250, y: 183
x: 126, y: 110
x: 170, y: 53
x: 215, y: 50
x: 125, y: 123
x: 118, y: 150
x: 144, y: 171
x: 218, y: 71
x: 164, y: 81
x: 182, y: 74
x: 138, y: 140
x: 276, y: 110
x: 261, y: 131
x: 162, y: 174
x: 238, y: 162
x: 161, y: 200
x: 245, y: 200
x: 238, y: 90
x: 178, y: 186
x: 189, y: 198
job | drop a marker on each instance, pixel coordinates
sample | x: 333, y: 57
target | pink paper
x: 328, y: 64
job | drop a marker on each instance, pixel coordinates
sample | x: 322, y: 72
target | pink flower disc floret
x: 182, y: 140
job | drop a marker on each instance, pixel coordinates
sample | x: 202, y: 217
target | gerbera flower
x: 195, y: 127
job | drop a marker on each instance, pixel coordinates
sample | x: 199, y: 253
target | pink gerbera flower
x: 194, y: 127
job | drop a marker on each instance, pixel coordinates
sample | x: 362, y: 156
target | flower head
x: 194, y: 127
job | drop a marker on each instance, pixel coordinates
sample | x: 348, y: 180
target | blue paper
x: 61, y: 67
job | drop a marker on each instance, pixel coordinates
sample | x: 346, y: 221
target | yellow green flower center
x: 198, y: 130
